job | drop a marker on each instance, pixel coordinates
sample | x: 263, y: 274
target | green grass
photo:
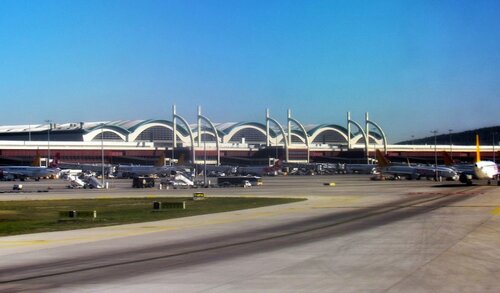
x: 20, y: 217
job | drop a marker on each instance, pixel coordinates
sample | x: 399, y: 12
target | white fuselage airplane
x: 159, y: 169
x: 23, y: 172
x: 482, y: 169
x: 260, y: 170
x: 485, y: 170
x: 131, y: 171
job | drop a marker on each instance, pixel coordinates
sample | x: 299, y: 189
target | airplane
x: 480, y: 169
x: 261, y: 170
x: 214, y: 171
x: 360, y: 168
x: 159, y: 169
x: 36, y: 172
x: 414, y: 172
x: 460, y: 168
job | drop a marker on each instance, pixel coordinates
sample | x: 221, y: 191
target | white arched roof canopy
x: 205, y: 133
x: 277, y: 139
x: 319, y: 131
x: 356, y: 139
x: 92, y: 134
x: 133, y: 136
x: 299, y: 136
x: 359, y: 137
x: 235, y: 130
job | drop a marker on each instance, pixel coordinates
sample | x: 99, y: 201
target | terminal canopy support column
x: 367, y: 130
x: 306, y: 137
x: 348, y: 130
x: 268, y: 136
x: 174, y: 135
x: 384, y: 138
x: 191, y: 137
x: 285, y: 139
x: 215, y: 133
x: 349, y: 121
x: 199, y: 126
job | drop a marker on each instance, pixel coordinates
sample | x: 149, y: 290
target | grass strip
x: 31, y: 216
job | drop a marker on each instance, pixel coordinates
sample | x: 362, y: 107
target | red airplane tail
x: 55, y: 161
x: 448, y: 160
x: 276, y: 167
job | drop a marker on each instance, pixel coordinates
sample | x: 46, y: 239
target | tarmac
x: 355, y: 236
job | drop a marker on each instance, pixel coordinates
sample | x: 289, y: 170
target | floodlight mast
x: 435, y: 155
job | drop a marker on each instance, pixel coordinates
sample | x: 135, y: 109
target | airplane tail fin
x: 278, y: 165
x: 36, y: 160
x: 55, y: 162
x: 448, y: 160
x: 161, y: 161
x: 382, y: 160
x: 478, y: 151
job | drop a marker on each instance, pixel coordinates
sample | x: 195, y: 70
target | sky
x: 415, y: 66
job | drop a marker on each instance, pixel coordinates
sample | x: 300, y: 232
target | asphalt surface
x: 356, y: 236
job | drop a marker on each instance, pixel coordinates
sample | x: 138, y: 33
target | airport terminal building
x: 143, y: 141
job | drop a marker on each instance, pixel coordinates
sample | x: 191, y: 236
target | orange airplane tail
x: 478, y: 151
x: 36, y: 160
x: 161, y: 161
x: 382, y: 160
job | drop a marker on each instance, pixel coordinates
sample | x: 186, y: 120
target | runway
x: 361, y: 235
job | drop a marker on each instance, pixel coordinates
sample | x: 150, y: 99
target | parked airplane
x: 361, y: 168
x: 215, y: 171
x: 414, y: 172
x: 159, y: 169
x: 261, y: 170
x: 36, y: 172
x: 481, y: 169
x: 460, y: 168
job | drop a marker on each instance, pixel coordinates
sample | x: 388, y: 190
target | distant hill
x: 461, y: 138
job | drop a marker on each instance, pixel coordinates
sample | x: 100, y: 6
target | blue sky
x: 414, y: 66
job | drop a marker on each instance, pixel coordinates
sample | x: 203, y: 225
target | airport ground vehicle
x: 143, y: 182
x: 85, y: 182
x: 178, y: 180
x: 227, y: 181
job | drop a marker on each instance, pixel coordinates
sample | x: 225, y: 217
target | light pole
x: 435, y: 154
x: 204, y: 163
x: 494, y: 160
x: 48, y: 141
x: 451, y: 148
x: 102, y: 153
